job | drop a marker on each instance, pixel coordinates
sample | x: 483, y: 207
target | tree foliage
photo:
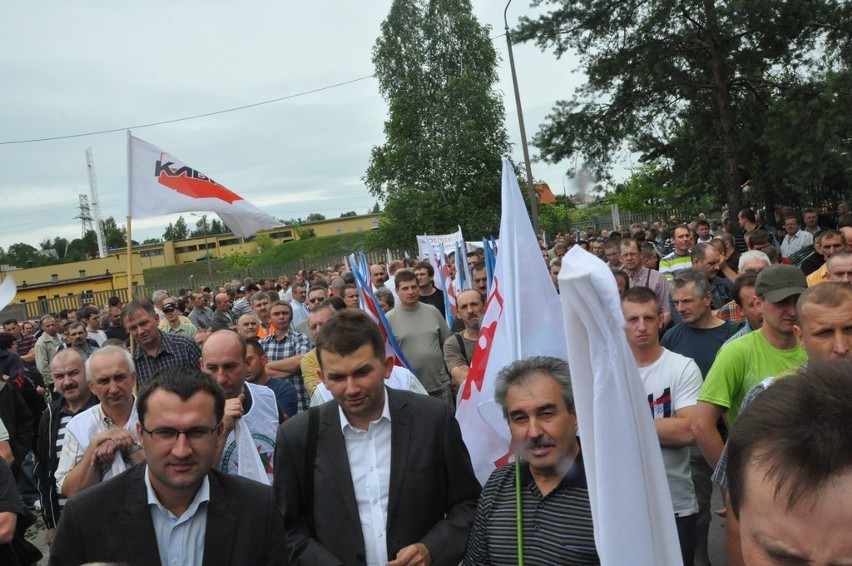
x: 703, y: 87
x: 177, y: 231
x: 440, y: 164
x: 349, y: 214
x: 315, y: 217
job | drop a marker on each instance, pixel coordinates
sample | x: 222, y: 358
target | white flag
x: 8, y: 290
x: 522, y: 319
x: 159, y: 183
x: 631, y: 504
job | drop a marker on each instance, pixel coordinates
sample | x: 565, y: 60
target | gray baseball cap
x: 777, y: 283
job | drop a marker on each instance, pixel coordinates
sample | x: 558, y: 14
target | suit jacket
x: 432, y: 495
x: 222, y: 320
x: 111, y: 522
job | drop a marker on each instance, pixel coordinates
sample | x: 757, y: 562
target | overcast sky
x: 81, y: 66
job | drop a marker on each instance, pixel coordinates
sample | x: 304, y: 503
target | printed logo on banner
x: 194, y: 184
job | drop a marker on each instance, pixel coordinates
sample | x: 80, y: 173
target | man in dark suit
x: 380, y: 476
x: 174, y: 508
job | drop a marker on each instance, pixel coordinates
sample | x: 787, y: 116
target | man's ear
x: 388, y: 366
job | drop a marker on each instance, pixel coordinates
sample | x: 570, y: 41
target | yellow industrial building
x: 95, y: 279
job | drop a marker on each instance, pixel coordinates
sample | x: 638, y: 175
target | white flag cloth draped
x: 631, y: 503
x: 8, y: 290
x: 159, y: 183
x: 522, y: 319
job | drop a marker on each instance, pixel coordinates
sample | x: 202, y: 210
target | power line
x: 185, y: 118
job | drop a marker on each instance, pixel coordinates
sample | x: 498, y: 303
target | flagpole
x: 129, y: 234
x: 519, y: 518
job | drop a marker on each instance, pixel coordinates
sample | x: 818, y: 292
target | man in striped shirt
x: 536, y: 397
x: 69, y: 380
x: 680, y: 257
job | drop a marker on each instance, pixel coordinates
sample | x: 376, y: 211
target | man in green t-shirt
x: 743, y: 363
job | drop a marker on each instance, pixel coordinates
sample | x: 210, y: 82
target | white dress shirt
x: 369, y: 454
x: 794, y: 243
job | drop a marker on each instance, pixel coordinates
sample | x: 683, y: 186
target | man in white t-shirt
x: 672, y: 383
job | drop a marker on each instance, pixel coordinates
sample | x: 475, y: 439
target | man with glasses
x: 316, y: 296
x: 175, y: 509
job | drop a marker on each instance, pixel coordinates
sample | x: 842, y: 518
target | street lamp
x: 533, y: 196
x: 206, y: 245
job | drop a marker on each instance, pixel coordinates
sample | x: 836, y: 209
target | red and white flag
x: 523, y: 318
x: 159, y: 183
x: 629, y: 494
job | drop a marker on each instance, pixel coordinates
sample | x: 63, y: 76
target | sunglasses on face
x: 169, y: 307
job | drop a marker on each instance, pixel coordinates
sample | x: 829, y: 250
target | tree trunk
x: 726, y: 113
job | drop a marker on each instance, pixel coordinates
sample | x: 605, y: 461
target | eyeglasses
x: 194, y: 435
x: 316, y: 300
x: 169, y: 308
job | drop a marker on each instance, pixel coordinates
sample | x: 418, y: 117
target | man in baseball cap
x: 746, y: 361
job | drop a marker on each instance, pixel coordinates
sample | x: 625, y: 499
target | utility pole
x: 531, y: 192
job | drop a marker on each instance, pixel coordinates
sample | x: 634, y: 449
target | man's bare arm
x: 676, y: 431
x: 707, y: 436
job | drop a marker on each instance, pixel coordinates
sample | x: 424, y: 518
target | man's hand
x: 107, y: 443
x: 415, y: 555
x: 233, y: 411
x: 49, y: 536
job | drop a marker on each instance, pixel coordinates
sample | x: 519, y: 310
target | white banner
x: 438, y: 242
x: 159, y: 183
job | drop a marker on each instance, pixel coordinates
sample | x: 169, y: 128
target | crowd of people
x: 266, y: 422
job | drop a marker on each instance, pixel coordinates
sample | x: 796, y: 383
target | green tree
x: 202, y: 228
x: 688, y: 81
x: 217, y: 227
x: 348, y: 214
x: 305, y: 233
x: 151, y: 241
x: 440, y: 164
x: 115, y: 236
x: 21, y: 254
x: 315, y: 217
x: 177, y: 231
x: 376, y: 209
x: 264, y: 242
x: 238, y: 261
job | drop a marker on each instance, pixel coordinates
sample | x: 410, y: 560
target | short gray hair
x: 756, y: 255
x: 701, y: 284
x: 521, y: 371
x: 106, y: 350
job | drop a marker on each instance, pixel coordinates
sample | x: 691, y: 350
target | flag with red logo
x: 523, y: 318
x: 630, y: 499
x: 160, y: 183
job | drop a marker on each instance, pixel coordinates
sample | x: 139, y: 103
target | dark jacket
x: 47, y: 459
x: 432, y: 493
x: 111, y: 522
x: 18, y: 420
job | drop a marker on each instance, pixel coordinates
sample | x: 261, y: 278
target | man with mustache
x: 101, y: 442
x: 536, y: 397
x: 69, y: 380
x: 672, y: 382
x: 459, y: 348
